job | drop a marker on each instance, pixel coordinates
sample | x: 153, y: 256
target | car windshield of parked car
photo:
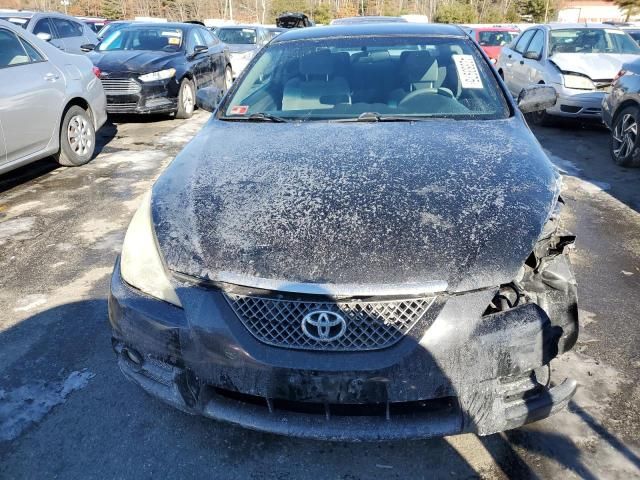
x: 495, y: 39
x: 237, y: 36
x: 591, y: 40
x: 18, y: 21
x: 391, y: 77
x: 143, y: 38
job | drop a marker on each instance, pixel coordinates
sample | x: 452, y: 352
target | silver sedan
x: 51, y: 102
x: 579, y: 61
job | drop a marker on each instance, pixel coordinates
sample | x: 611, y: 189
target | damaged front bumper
x: 463, y: 368
x: 129, y: 95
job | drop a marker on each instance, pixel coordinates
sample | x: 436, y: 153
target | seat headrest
x: 417, y: 66
x: 318, y: 63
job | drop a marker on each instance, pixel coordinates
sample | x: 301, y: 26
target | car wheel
x: 624, y: 138
x: 228, y: 78
x: 186, y: 99
x: 77, y: 138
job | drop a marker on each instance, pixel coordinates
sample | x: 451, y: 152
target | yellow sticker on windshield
x: 467, y: 71
x: 173, y: 41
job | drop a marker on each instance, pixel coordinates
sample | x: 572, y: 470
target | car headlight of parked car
x: 140, y: 264
x: 578, y: 82
x: 160, y: 75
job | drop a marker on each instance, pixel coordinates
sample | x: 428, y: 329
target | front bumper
x: 463, y: 374
x: 577, y: 104
x: 142, y: 98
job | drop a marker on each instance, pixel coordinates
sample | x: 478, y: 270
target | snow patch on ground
x: 565, y: 166
x: 29, y: 302
x: 28, y: 404
x: 17, y: 229
x: 186, y: 131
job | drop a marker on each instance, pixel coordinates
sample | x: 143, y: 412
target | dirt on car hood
x: 597, y: 66
x: 455, y: 203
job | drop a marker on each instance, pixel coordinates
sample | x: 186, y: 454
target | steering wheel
x: 424, y: 92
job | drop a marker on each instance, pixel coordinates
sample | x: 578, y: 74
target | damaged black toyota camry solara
x: 362, y: 243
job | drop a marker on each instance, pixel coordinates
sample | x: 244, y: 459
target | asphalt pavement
x: 67, y: 412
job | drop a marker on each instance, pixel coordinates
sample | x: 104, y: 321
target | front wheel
x: 624, y: 138
x: 186, y: 99
x: 77, y: 138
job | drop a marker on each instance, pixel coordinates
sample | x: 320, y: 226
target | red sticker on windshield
x: 239, y: 110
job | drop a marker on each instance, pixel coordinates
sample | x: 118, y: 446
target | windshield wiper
x: 257, y: 117
x: 376, y: 117
x: 266, y: 117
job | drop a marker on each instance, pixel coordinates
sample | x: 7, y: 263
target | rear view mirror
x: 44, y: 36
x: 208, y: 98
x: 87, y: 47
x: 536, y: 98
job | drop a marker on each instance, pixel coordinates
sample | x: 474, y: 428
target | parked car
x: 158, y: 68
x: 51, y: 103
x: 367, y: 19
x: 493, y: 39
x: 621, y: 113
x: 293, y: 20
x: 579, y: 61
x: 65, y: 32
x: 243, y: 41
x: 95, y: 24
x: 405, y: 277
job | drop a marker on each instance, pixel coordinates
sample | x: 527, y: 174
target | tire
x: 228, y: 78
x: 77, y: 138
x: 624, y: 146
x: 186, y: 99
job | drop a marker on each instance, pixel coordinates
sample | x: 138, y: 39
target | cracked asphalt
x: 67, y: 412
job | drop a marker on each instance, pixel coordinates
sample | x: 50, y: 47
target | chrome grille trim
x: 370, y: 325
x: 121, y: 86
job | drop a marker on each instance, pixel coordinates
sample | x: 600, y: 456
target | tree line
x: 321, y: 11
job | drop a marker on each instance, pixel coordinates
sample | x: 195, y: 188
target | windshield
x: 343, y: 78
x: 495, y: 39
x: 18, y: 21
x: 143, y: 38
x: 237, y: 36
x: 591, y: 40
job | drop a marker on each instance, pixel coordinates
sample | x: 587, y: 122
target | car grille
x: 121, y: 86
x: 121, y: 107
x: 369, y: 325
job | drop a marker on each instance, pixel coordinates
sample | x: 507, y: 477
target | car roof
x: 162, y: 24
x: 574, y: 26
x: 382, y: 29
x: 240, y: 26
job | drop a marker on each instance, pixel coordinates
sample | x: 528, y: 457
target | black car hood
x: 370, y: 204
x: 136, y: 61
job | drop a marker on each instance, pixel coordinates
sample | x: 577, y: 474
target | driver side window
x: 194, y: 39
x: 44, y: 26
x: 524, y: 41
x: 537, y: 44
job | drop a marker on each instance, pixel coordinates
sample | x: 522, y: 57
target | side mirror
x: 208, y: 98
x: 87, y: 47
x: 531, y: 55
x: 536, y: 98
x: 198, y: 49
x: 44, y: 36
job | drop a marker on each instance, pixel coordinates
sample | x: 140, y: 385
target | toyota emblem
x: 324, y: 325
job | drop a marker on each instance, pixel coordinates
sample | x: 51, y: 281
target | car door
x: 514, y: 61
x: 199, y: 62
x: 29, y: 108
x: 44, y: 25
x: 70, y: 33
x: 531, y: 68
x: 216, y: 54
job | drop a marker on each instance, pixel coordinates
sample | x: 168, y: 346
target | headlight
x: 140, y: 263
x: 155, y: 76
x: 578, y: 82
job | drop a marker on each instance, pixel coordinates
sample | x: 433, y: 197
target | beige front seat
x: 316, y: 87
